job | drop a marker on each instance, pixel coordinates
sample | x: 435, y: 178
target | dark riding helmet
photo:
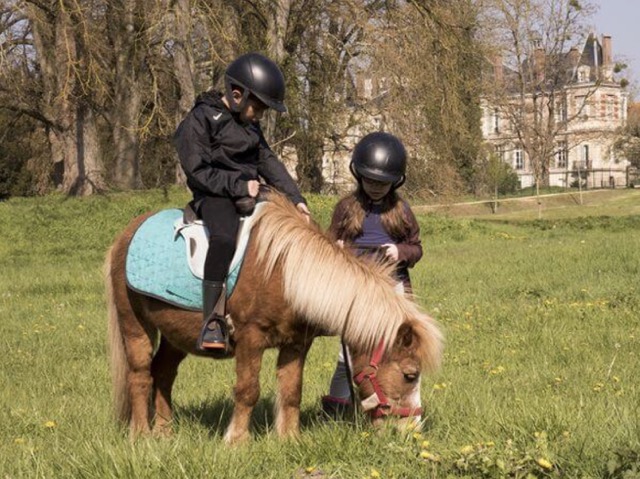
x: 256, y: 75
x: 379, y: 156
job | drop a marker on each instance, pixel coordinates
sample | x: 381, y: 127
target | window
x: 583, y: 73
x: 562, y: 155
x: 500, y: 150
x: 518, y: 159
x: 582, y: 106
x: 610, y: 106
x: 561, y: 110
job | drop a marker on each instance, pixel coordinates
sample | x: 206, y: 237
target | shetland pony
x: 295, y: 284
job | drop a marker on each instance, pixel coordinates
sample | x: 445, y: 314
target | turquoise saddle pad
x: 157, y: 265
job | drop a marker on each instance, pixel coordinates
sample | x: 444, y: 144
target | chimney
x: 539, y: 64
x: 607, y: 59
x: 498, y: 69
x: 574, y: 57
x: 607, y: 56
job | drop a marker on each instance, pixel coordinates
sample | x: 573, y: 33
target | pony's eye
x: 411, y: 377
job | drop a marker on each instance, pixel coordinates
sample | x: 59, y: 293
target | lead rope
x: 347, y: 364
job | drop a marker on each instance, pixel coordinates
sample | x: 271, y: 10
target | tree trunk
x: 126, y: 29
x: 73, y: 137
x: 309, y: 167
x: 183, y: 65
x: 83, y: 164
x: 276, y: 34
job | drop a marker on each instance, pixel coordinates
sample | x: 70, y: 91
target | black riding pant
x: 220, y: 216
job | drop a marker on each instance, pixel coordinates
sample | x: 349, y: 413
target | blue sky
x: 620, y: 19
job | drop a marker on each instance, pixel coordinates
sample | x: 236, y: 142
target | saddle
x: 165, y: 258
x: 196, y: 236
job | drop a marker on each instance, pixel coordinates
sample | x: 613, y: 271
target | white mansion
x: 592, y: 107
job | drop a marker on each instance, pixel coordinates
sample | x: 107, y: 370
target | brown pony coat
x: 295, y: 284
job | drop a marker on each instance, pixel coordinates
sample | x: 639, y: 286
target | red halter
x: 378, y: 404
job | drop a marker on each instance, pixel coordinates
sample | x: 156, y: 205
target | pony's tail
x: 117, y: 355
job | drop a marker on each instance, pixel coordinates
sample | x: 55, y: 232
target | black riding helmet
x: 256, y: 75
x: 379, y: 156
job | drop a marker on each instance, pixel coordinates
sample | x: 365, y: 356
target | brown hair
x: 357, y: 204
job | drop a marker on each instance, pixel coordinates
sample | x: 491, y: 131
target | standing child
x: 223, y: 153
x: 374, y: 219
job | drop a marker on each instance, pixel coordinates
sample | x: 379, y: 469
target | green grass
x: 541, y: 362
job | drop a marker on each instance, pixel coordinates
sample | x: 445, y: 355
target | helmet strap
x: 233, y: 106
x: 354, y: 172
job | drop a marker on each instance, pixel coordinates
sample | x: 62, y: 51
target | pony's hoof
x: 235, y: 439
x: 162, y: 432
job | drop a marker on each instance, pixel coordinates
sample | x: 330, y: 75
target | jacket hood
x: 211, y: 98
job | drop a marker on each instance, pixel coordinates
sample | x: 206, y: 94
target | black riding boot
x: 214, y: 328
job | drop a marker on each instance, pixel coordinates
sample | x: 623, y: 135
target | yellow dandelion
x: 544, y: 463
x: 50, y: 424
x: 429, y: 457
x: 425, y: 445
x: 437, y: 387
x: 374, y: 473
x: 365, y: 434
x: 466, y: 450
x: 310, y: 469
x: 490, y: 444
x: 417, y: 436
x: 18, y: 440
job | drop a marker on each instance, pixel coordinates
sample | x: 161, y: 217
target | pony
x: 295, y: 284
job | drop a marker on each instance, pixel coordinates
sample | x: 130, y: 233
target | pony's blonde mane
x: 330, y: 287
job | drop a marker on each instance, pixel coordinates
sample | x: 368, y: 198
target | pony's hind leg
x: 139, y: 347
x: 289, y: 372
x: 164, y: 368
x: 131, y: 344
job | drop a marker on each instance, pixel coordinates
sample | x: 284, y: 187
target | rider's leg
x: 338, y: 401
x: 219, y: 214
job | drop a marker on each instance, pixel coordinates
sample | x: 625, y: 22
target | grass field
x: 540, y: 377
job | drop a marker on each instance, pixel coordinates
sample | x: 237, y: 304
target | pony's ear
x: 406, y: 336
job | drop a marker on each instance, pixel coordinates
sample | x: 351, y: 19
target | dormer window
x: 583, y: 73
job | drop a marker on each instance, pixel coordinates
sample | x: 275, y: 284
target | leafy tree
x: 531, y: 41
x: 426, y: 66
x: 628, y: 142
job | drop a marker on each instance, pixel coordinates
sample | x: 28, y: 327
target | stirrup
x: 214, y: 335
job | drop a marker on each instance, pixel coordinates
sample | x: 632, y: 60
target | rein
x: 378, y: 405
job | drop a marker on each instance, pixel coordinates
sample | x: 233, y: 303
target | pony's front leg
x: 249, y: 353
x: 289, y: 371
